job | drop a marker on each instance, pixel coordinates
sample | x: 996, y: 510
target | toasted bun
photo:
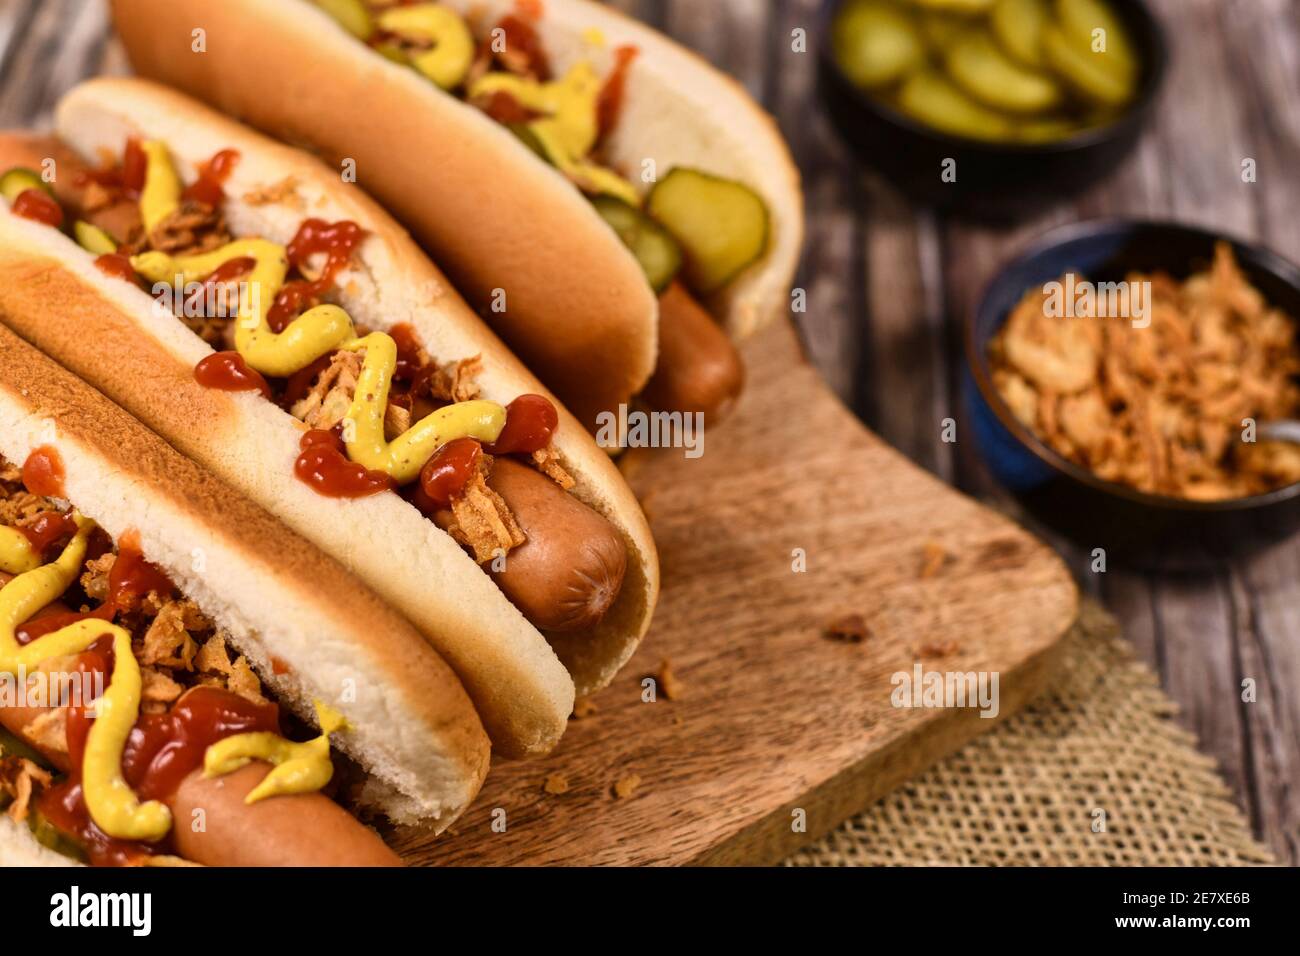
x: 112, y: 334
x: 579, y: 309
x: 413, y: 727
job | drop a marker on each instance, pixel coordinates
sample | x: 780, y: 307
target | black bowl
x: 993, y: 180
x: 1143, y: 529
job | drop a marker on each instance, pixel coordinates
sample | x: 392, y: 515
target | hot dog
x: 301, y: 829
x: 336, y: 379
x: 636, y: 160
x: 166, y: 648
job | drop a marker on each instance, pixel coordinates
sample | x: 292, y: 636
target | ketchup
x: 42, y: 624
x: 229, y: 372
x: 131, y: 578
x: 522, y: 41
x: 128, y: 177
x: 504, y: 108
x: 207, y: 188
x: 338, y: 241
x: 43, y: 473
x: 610, y: 100
x: 531, y: 420
x: 445, y: 475
x: 116, y: 265
x: 134, y: 166
x: 323, y: 465
x: 49, y: 528
x: 161, y: 751
x: 39, y: 205
x: 229, y: 271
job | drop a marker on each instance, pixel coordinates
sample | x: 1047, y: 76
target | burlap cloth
x: 1025, y: 793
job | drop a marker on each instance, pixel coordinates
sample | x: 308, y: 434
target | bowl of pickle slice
x: 991, y: 99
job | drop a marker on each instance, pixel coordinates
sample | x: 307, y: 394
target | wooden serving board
x: 771, y: 715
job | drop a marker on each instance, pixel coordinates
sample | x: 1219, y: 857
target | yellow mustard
x: 297, y: 767
x: 319, y: 331
x: 161, y: 195
x: 568, y: 129
x: 447, y: 62
x: 17, y: 555
x: 405, y: 455
x: 112, y: 804
x: 316, y: 332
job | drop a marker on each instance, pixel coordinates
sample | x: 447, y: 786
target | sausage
x: 301, y: 829
x: 699, y: 369
x: 570, y: 570
x: 118, y: 219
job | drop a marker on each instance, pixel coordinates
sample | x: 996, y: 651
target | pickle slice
x: 964, y: 7
x: 1046, y: 130
x: 721, y: 225
x: 526, y: 136
x: 941, y: 29
x: 52, y: 838
x: 19, y: 180
x: 1018, y: 25
x: 657, y: 252
x: 1083, y: 70
x: 1079, y: 18
x: 93, y: 239
x: 875, y: 42
x: 394, y: 52
x: 352, y: 15
x: 929, y: 98
x: 981, y: 69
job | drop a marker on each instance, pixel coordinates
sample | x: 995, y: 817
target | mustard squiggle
x: 111, y: 802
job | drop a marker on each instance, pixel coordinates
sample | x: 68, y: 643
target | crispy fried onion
x: 481, y: 520
x: 20, y: 779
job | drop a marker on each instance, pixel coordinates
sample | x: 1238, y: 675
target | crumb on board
x: 667, y: 681
x: 939, y: 648
x: 850, y: 628
x: 933, y: 558
x: 626, y: 786
x: 556, y: 783
x: 584, y: 707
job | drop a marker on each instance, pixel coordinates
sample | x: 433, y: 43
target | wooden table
x: 888, y: 284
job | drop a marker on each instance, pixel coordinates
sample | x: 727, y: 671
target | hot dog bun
x: 412, y: 726
x: 579, y: 309
x: 109, y: 332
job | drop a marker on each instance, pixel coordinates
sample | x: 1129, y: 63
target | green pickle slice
x: 20, y: 179
x: 964, y: 7
x: 982, y: 70
x: 657, y: 252
x: 940, y: 29
x: 875, y: 42
x: 1085, y: 71
x: 721, y: 225
x: 930, y: 98
x: 93, y: 239
x: 352, y: 15
x: 1018, y: 26
x: 1079, y: 18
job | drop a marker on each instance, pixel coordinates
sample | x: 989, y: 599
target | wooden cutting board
x: 771, y: 716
